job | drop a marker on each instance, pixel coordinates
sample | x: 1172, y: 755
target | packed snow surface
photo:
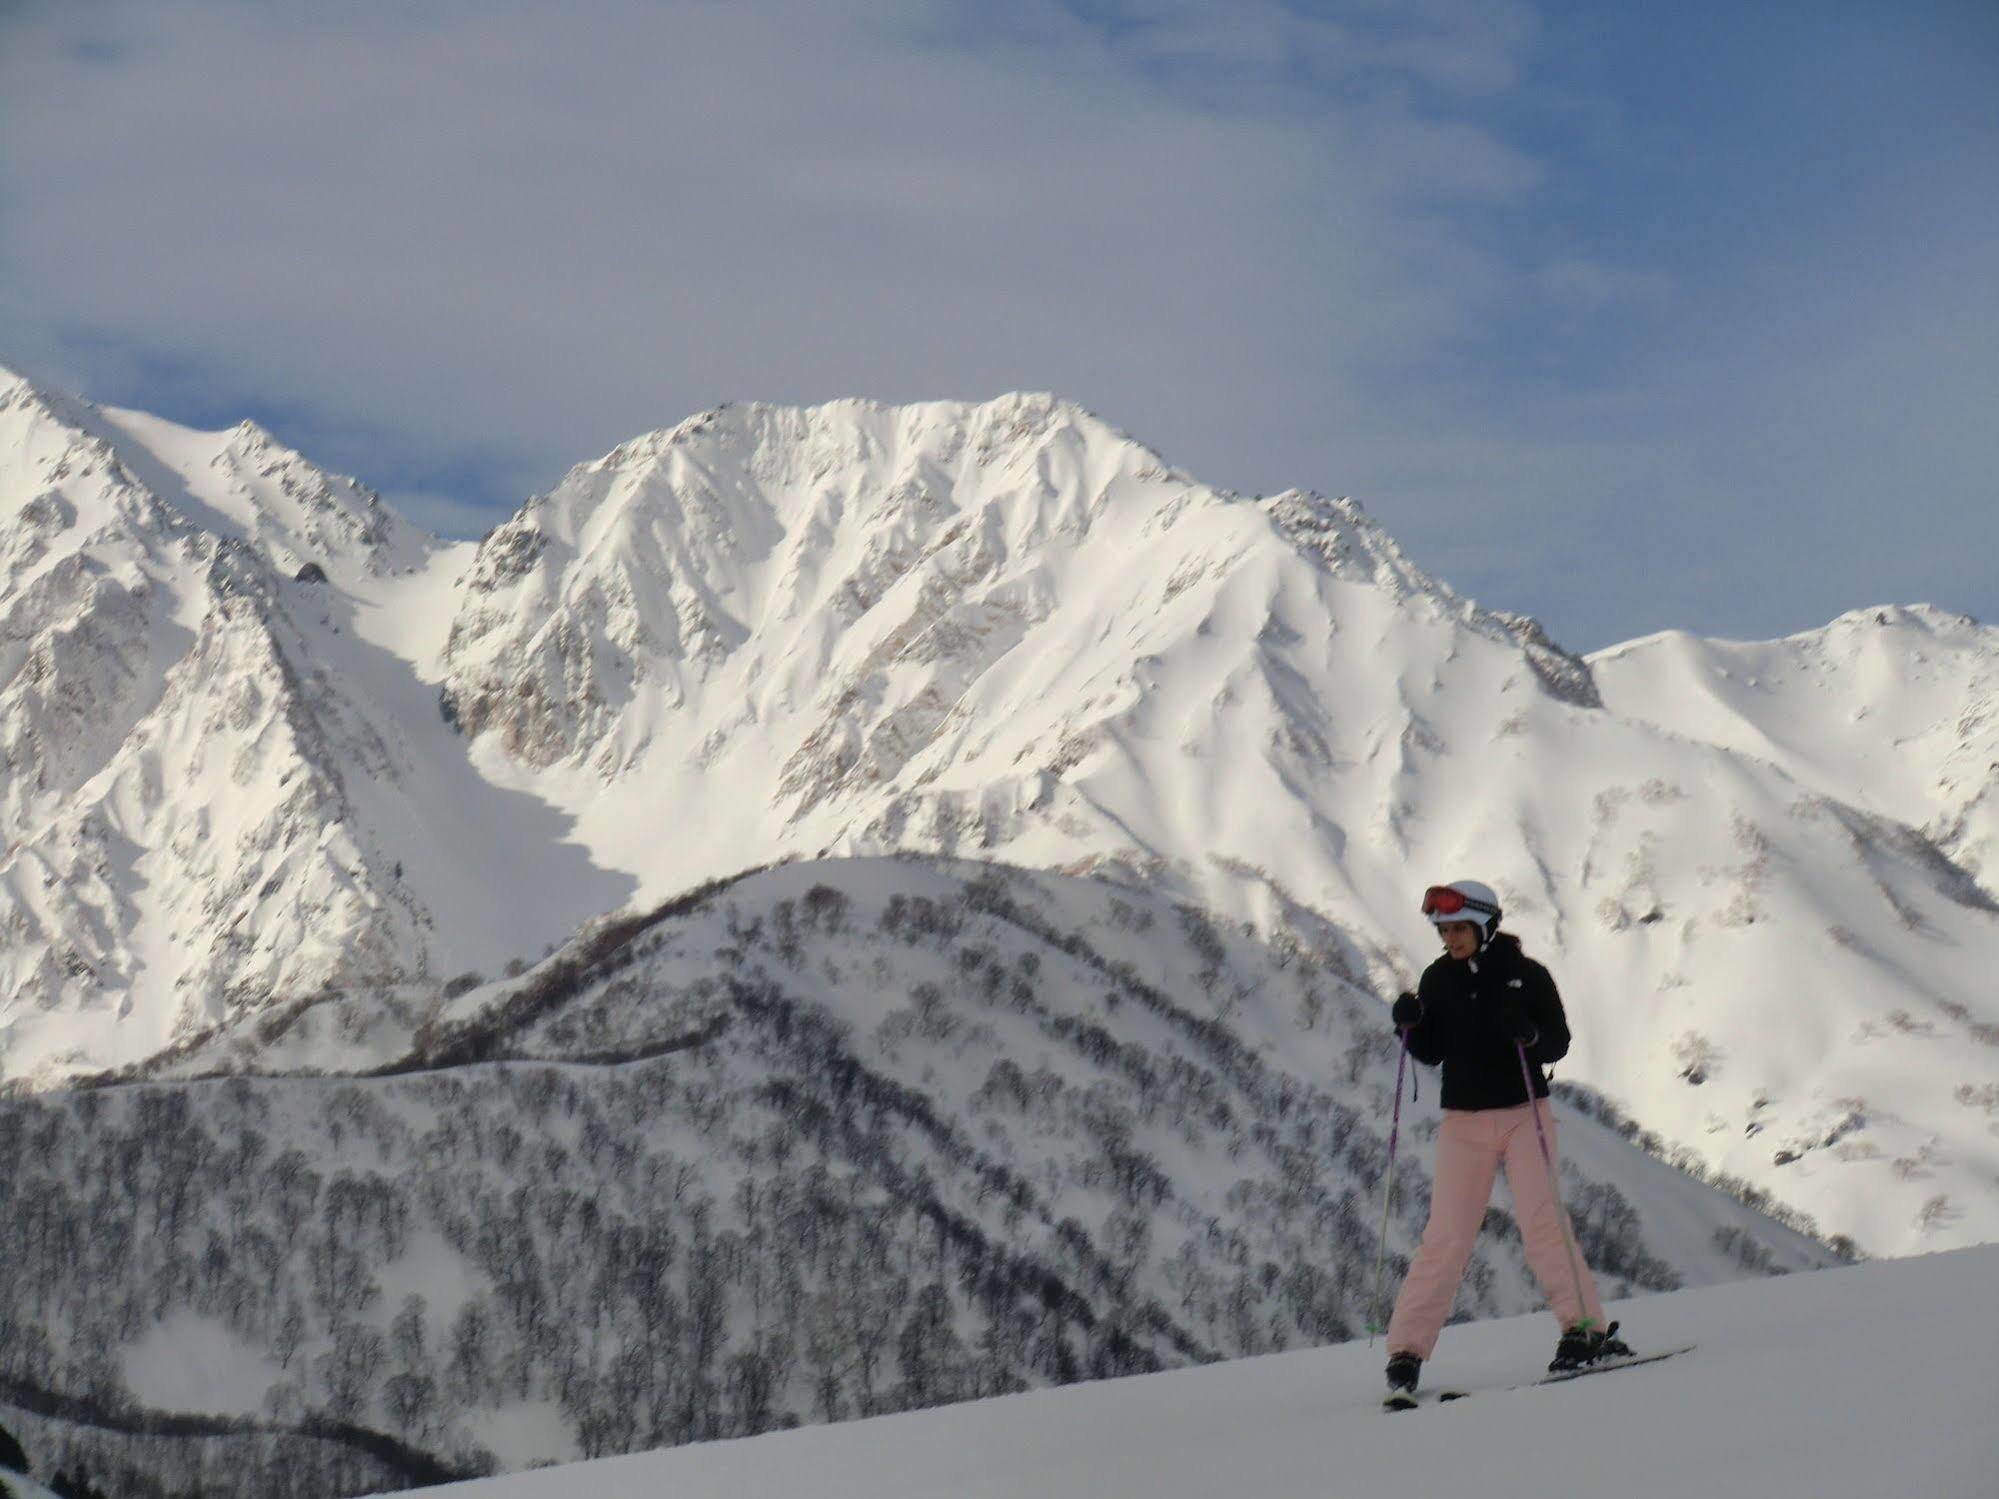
x: 1841, y: 1384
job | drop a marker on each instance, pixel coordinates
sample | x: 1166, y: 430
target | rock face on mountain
x: 263, y: 740
x: 876, y: 576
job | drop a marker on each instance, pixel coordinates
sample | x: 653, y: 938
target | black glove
x: 1518, y: 1028
x: 1408, y: 1010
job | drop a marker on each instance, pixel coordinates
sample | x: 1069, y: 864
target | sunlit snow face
x: 1460, y: 937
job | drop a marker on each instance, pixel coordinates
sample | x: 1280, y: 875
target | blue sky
x: 1629, y: 316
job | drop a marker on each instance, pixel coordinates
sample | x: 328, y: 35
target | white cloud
x: 499, y: 221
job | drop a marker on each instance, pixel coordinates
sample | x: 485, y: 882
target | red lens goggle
x: 1442, y: 900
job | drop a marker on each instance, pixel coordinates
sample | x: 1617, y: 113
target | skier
x: 1485, y: 1010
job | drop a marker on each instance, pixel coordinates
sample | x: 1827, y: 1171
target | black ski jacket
x: 1466, y: 1004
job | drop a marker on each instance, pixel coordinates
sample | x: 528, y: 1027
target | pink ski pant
x: 1471, y: 1146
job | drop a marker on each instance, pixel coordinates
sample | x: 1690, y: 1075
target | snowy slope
x: 997, y: 630
x: 217, y: 789
x: 1895, y: 710
x: 1844, y: 1384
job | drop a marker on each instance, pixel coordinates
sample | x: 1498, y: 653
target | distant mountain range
x: 267, y: 745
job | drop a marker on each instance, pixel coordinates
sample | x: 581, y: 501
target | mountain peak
x: 248, y: 437
x: 1012, y: 417
x: 1926, y: 617
x: 21, y: 390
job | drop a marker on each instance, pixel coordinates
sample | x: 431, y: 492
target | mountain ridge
x: 997, y: 630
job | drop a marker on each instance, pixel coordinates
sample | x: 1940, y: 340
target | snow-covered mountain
x: 217, y: 790
x: 1001, y: 631
x: 1896, y: 710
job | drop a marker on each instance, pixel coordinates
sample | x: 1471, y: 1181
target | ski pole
x: 1388, y: 1190
x: 1554, y: 1181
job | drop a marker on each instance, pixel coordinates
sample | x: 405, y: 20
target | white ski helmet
x: 1463, y: 900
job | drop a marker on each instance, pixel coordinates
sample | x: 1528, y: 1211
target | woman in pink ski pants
x: 1480, y: 1011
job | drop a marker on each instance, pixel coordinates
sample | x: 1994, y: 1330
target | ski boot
x: 1582, y: 1346
x: 1403, y: 1369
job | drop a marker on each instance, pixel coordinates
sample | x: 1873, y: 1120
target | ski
x: 1403, y: 1401
x: 1604, y: 1366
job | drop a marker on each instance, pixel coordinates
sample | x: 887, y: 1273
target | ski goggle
x: 1442, y: 900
